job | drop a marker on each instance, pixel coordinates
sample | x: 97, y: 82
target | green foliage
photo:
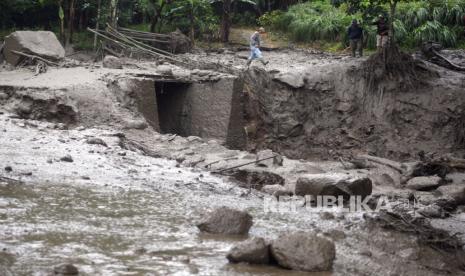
x: 177, y: 15
x: 415, y: 22
x: 310, y: 21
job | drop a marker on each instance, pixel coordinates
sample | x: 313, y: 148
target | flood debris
x: 226, y: 221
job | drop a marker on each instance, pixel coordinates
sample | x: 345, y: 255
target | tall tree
x: 226, y: 16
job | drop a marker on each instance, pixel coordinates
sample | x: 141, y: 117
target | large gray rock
x: 304, y: 251
x: 227, y: 221
x: 253, y: 251
x: 40, y: 43
x: 422, y: 183
x: 112, y: 62
x: 454, y: 194
x: 334, y: 184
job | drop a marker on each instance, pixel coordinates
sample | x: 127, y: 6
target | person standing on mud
x: 255, y: 43
x: 382, y: 33
x: 355, y: 33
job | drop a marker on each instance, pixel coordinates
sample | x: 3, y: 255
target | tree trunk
x: 114, y: 13
x: 226, y: 21
x: 62, y: 21
x: 99, y: 11
x: 392, y: 6
x: 192, y: 25
x: 69, y: 37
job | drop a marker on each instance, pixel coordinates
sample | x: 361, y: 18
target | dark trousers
x: 356, y: 46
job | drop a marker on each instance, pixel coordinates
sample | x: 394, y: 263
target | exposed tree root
x: 393, y: 65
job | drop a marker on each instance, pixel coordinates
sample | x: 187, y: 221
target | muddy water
x: 112, y: 231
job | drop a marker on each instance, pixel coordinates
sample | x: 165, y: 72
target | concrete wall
x: 211, y: 110
x: 214, y: 110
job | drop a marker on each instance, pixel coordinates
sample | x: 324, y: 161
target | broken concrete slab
x: 334, y: 184
x: 40, y: 43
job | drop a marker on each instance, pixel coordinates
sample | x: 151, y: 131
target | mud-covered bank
x: 315, y: 105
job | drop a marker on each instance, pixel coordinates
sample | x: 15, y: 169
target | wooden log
x: 35, y: 57
x: 378, y: 160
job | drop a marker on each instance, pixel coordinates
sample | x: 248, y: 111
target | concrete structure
x: 208, y: 109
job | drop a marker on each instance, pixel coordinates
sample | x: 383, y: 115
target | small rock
x: 112, y: 62
x: 253, y: 251
x: 335, y: 234
x: 66, y: 269
x: 431, y: 211
x: 8, y: 169
x: 135, y: 124
x: 424, y: 183
x: 304, y: 251
x: 276, y: 190
x: 96, y: 141
x: 263, y: 155
x: 165, y: 70
x: 67, y: 158
x: 3, y: 96
x: 228, y: 221
x: 454, y: 194
x: 85, y: 177
x: 327, y: 216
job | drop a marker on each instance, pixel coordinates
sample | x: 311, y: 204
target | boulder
x: 303, y: 251
x: 253, y: 251
x: 227, y: 221
x: 454, y: 194
x: 334, y: 184
x: 424, y: 183
x: 276, y: 190
x: 40, y: 43
x: 112, y: 62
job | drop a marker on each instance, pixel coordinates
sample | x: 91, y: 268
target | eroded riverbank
x: 100, y: 188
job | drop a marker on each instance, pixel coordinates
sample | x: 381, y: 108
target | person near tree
x: 355, y: 33
x: 382, y: 36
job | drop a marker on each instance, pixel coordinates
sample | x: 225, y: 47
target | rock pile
x: 297, y: 251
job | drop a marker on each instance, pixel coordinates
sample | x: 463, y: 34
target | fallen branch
x: 450, y: 63
x: 382, y: 161
x: 249, y: 163
x: 34, y: 57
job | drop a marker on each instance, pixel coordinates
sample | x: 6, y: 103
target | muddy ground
x: 86, y: 179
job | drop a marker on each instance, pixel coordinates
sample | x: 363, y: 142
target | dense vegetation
x: 302, y: 21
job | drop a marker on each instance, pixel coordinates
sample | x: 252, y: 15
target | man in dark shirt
x: 355, y: 33
x: 382, y: 33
